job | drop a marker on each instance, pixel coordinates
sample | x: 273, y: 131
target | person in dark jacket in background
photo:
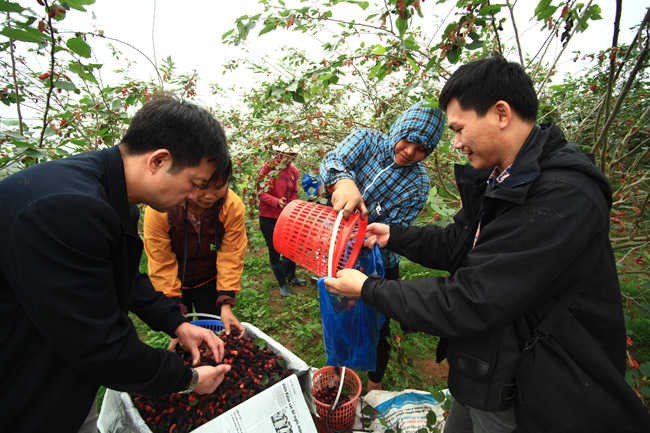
x: 69, y: 272
x: 534, y: 220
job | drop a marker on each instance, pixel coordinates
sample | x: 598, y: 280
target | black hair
x: 480, y: 84
x: 188, y: 131
x: 219, y: 177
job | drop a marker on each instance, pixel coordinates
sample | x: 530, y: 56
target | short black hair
x: 188, y: 131
x: 480, y: 84
x: 219, y: 177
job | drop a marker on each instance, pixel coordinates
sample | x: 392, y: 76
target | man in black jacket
x: 69, y: 272
x: 534, y: 222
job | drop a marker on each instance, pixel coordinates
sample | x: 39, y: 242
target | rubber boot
x: 278, y: 271
x: 290, y: 272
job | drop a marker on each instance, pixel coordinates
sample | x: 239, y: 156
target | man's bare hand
x: 229, y: 321
x: 348, y: 282
x: 346, y: 197
x: 377, y: 233
x: 194, y: 337
x: 210, y: 378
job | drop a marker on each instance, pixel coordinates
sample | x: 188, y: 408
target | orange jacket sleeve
x: 162, y: 262
x: 230, y: 258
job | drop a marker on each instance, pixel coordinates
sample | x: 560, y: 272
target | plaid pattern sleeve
x: 388, y: 207
x: 350, y: 157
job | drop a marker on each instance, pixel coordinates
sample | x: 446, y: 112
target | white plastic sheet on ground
x: 407, y: 409
x: 119, y: 415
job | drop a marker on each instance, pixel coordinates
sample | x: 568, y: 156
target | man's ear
x: 503, y: 112
x: 158, y: 160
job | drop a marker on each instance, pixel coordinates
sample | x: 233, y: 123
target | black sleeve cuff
x: 393, y: 239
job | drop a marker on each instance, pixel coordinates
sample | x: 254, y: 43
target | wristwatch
x: 193, y: 382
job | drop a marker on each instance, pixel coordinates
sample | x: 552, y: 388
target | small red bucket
x: 303, y: 233
x: 342, y: 417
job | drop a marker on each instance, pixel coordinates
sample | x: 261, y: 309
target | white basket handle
x: 335, y: 231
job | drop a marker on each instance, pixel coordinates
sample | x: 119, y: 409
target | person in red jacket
x: 277, y: 188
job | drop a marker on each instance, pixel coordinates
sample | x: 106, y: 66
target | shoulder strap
x: 184, y: 249
x: 543, y: 330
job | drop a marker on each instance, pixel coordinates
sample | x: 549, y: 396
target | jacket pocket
x: 482, y: 369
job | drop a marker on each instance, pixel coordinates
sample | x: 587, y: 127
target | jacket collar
x: 116, y: 191
x: 525, y: 170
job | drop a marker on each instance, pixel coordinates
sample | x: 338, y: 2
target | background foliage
x: 377, y: 59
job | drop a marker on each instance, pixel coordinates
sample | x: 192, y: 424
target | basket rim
x: 353, y: 400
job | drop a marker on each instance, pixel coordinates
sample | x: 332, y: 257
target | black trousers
x: 202, y: 298
x: 267, y: 225
x: 383, y: 347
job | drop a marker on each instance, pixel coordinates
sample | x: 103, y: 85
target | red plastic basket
x: 342, y: 417
x: 303, y: 233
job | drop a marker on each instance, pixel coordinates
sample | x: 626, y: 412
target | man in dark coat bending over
x: 69, y: 272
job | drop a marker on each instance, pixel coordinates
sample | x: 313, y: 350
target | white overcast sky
x: 190, y: 32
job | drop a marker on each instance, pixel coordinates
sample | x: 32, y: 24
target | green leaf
x: 244, y: 29
x: 79, y: 47
x: 6, y: 6
x: 22, y: 35
x: 380, y: 50
x: 277, y: 91
x: 438, y: 396
x: 228, y: 33
x: 367, y: 410
x: 402, y: 26
x: 645, y: 390
x: 454, y: 54
x: 267, y: 29
x: 645, y: 369
x: 261, y: 343
x: 489, y: 10
x: 78, y: 4
x: 282, y: 363
x: 374, y: 71
x: 36, y: 153
x: 431, y: 418
x: 413, y: 64
x: 542, y: 5
x: 264, y: 380
x: 547, y: 13
x: 297, y: 97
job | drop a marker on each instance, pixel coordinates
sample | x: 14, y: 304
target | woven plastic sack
x: 350, y: 327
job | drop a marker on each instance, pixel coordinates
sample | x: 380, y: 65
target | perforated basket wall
x: 304, y: 231
x: 342, y: 417
x: 212, y: 324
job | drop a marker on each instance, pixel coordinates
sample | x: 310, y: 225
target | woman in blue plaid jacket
x: 382, y: 177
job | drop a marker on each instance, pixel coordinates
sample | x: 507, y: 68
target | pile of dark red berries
x: 253, y: 370
x: 327, y: 395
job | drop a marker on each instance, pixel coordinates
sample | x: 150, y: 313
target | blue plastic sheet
x: 350, y: 327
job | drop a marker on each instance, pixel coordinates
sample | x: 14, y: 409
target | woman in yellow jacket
x: 197, y: 258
